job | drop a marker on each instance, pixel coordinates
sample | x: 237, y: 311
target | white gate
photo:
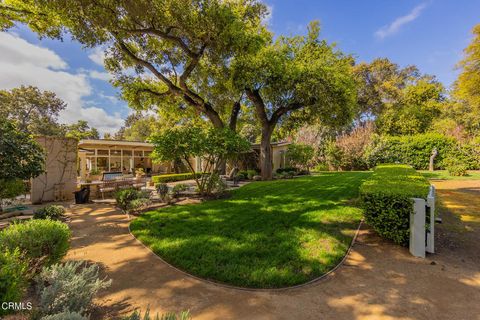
x: 422, y: 232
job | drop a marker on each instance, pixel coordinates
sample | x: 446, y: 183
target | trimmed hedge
x: 414, y: 150
x: 163, y: 178
x: 387, y: 200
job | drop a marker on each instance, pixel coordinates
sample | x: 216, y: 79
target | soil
x: 378, y: 280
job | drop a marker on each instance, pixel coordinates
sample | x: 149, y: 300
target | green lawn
x: 268, y: 234
x: 443, y: 175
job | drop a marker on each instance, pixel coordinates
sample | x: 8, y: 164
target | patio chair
x: 232, y: 176
x: 107, y: 187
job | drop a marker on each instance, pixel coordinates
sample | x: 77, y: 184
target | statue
x: 432, y: 158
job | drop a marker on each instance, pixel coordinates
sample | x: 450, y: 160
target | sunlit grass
x: 444, y: 175
x: 267, y: 234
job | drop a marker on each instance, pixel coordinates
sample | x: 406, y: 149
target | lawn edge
x: 228, y: 286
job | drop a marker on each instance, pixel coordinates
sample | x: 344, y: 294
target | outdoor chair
x: 107, y: 187
x: 232, y: 176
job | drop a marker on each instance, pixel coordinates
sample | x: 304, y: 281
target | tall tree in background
x: 81, y: 130
x: 179, y: 49
x: 32, y: 110
x: 299, y: 74
x: 467, y: 87
x: 399, y: 100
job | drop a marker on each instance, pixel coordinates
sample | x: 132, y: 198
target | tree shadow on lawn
x: 269, y: 234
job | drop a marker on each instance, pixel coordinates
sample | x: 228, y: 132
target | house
x: 126, y: 156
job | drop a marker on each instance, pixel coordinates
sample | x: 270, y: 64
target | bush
x: 65, y: 315
x: 12, y: 277
x: 287, y: 169
x: 414, y: 150
x: 387, y: 200
x: 300, y: 155
x: 40, y: 241
x: 52, y: 212
x: 162, y: 191
x: 179, y: 188
x: 456, y: 166
x: 131, y: 200
x: 136, y: 315
x: 68, y: 287
x: 247, y: 174
x: 9, y: 189
x: 174, y: 177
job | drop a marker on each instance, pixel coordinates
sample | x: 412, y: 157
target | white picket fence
x: 421, y: 235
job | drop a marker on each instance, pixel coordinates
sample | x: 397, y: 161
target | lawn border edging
x: 227, y: 286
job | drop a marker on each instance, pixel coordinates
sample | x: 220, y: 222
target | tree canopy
x: 32, y: 110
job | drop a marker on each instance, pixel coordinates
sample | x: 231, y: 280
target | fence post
x: 417, y: 228
x: 431, y: 231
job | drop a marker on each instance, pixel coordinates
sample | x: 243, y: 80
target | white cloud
x: 395, y: 26
x: 269, y: 16
x: 105, y: 76
x: 22, y: 63
x: 97, y: 55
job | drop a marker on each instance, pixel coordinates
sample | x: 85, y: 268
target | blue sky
x: 430, y: 34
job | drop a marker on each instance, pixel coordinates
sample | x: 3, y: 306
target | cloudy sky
x: 430, y: 34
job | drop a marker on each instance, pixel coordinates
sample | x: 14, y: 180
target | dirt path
x: 378, y: 281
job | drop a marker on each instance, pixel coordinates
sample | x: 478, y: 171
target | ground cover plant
x: 387, y: 199
x: 267, y: 234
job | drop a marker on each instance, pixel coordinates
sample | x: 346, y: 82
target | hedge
x: 386, y: 198
x: 414, y: 150
x: 163, y: 178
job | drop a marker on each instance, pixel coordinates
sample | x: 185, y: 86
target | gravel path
x: 378, y: 280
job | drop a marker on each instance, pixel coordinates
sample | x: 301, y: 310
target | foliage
x: 444, y: 175
x: 348, y: 151
x: 387, y: 200
x: 21, y: 158
x: 40, y: 241
x: 300, y: 155
x: 138, y: 127
x: 261, y: 236
x: 65, y: 315
x: 10, y: 189
x: 287, y: 169
x: 212, y: 145
x: 81, y: 130
x: 163, y: 178
x: 136, y: 315
x: 131, y: 200
x: 31, y: 110
x: 162, y: 190
x: 247, y: 174
x: 13, y: 278
x: 69, y: 287
x: 456, y: 167
x: 180, y: 50
x: 467, y: 109
x: 178, y: 188
x: 413, y: 150
x: 302, y: 77
x: 400, y: 100
x: 51, y: 211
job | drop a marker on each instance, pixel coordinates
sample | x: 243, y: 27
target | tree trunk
x: 432, y: 159
x: 266, y: 161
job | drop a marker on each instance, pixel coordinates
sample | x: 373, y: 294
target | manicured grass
x: 444, y: 175
x: 266, y: 235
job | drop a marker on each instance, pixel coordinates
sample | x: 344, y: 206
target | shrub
x: 162, y: 190
x: 53, y: 212
x: 131, y: 200
x: 414, y: 150
x: 136, y: 315
x: 41, y: 241
x: 387, y: 200
x: 247, y: 174
x: 179, y: 188
x: 12, y: 276
x: 65, y: 315
x: 175, y: 177
x: 68, y: 287
x: 287, y: 169
x: 9, y: 189
x: 300, y: 155
x: 456, y: 166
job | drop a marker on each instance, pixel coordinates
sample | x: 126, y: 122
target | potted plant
x: 94, y: 174
x: 139, y: 173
